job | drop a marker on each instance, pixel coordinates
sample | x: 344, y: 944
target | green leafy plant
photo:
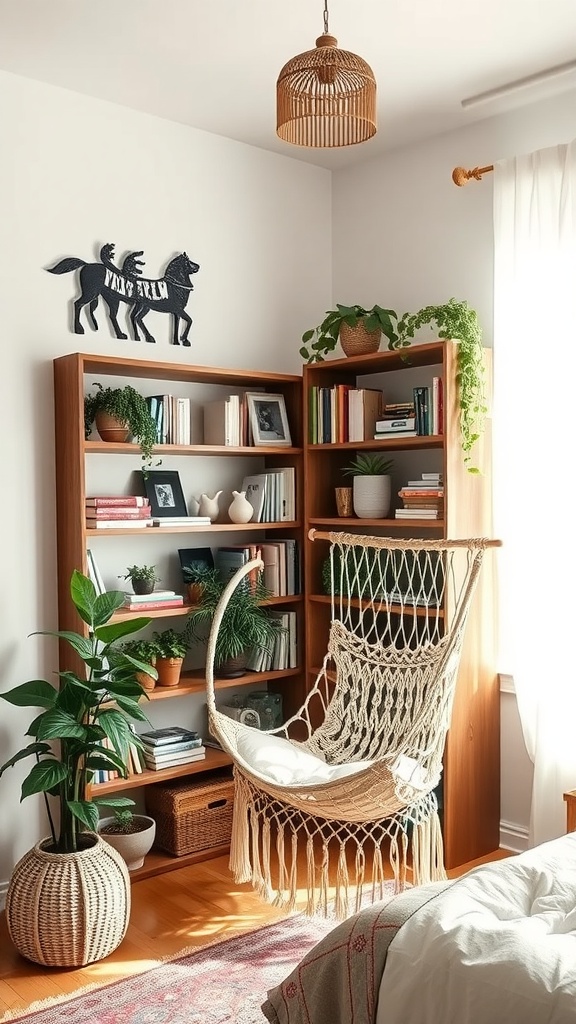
x: 143, y: 653
x: 170, y: 644
x: 456, y: 320
x: 369, y: 464
x: 125, y: 823
x: 245, y: 625
x: 84, y: 714
x: 141, y: 572
x: 130, y: 409
x: 326, y: 334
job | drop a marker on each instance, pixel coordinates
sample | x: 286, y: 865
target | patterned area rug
x: 225, y: 983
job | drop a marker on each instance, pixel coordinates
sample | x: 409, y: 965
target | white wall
x: 76, y: 173
x: 404, y: 237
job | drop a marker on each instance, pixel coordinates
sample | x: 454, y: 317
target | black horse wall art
x: 166, y: 294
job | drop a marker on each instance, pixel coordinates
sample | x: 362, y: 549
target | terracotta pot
x: 68, y: 909
x: 195, y: 591
x: 146, y: 682
x: 357, y: 341
x: 111, y: 429
x: 169, y: 670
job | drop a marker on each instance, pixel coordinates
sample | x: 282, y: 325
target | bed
x: 496, y: 946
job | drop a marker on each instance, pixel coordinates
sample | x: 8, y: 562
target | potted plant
x: 142, y: 577
x: 171, y: 648
x: 359, y: 330
x: 119, y: 413
x: 371, y: 486
x: 143, y: 654
x: 87, y: 717
x: 132, y: 835
x: 245, y: 625
x: 458, y: 321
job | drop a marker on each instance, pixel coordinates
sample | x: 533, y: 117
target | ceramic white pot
x: 132, y: 846
x: 209, y: 506
x: 371, y: 496
x: 240, y: 511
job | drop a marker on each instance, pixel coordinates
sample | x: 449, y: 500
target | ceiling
x: 213, y: 64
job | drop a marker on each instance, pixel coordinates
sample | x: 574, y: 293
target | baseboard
x: 513, y: 837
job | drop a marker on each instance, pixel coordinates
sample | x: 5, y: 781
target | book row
x: 284, y: 653
x: 272, y: 495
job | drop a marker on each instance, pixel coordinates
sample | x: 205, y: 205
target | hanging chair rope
x: 383, y: 697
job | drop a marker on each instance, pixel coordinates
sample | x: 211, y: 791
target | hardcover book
x: 169, y: 734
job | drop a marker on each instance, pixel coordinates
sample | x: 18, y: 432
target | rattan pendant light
x: 326, y: 97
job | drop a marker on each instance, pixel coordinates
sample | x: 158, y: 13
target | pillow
x: 278, y: 760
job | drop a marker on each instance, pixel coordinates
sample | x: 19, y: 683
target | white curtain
x: 535, y: 461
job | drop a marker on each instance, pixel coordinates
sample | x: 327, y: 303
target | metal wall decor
x: 166, y: 294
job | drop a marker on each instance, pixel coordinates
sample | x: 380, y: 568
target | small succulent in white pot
x: 371, y: 487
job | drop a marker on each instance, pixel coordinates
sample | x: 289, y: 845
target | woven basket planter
x: 68, y: 909
x: 357, y: 341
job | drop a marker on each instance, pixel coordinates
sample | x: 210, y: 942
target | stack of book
x: 398, y: 420
x: 171, y: 415
x: 422, y: 499
x: 343, y: 413
x: 151, y: 602
x: 171, y: 747
x: 272, y: 495
x: 113, y: 511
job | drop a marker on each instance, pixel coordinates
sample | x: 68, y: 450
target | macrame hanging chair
x: 352, y: 775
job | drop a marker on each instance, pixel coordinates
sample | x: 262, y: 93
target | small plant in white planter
x: 132, y: 835
x: 371, y: 487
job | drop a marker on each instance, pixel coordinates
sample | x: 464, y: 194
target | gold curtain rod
x: 460, y: 176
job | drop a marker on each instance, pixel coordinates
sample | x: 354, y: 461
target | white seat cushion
x: 279, y: 760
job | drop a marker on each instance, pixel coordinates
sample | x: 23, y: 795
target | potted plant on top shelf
x: 456, y: 320
x: 371, y: 485
x: 142, y: 577
x: 87, y: 715
x: 119, y: 413
x: 359, y: 331
x: 245, y: 625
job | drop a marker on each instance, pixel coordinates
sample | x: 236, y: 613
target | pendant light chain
x: 326, y: 32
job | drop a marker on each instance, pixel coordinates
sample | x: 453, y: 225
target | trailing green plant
x: 458, y: 321
x: 130, y: 409
x: 326, y: 334
x: 170, y: 644
x: 87, y: 716
x: 368, y: 464
x: 141, y: 572
x: 245, y: 626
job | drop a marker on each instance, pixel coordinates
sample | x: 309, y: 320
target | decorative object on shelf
x: 142, y: 577
x: 209, y: 506
x: 171, y: 648
x: 167, y: 294
x: 344, y: 505
x: 193, y: 562
x: 457, y: 321
x: 132, y: 835
x: 240, y: 510
x: 359, y: 330
x: 371, y: 485
x: 91, y: 921
x: 144, y: 652
x: 164, y: 490
x: 326, y: 97
x: 246, y: 626
x: 268, y: 419
x: 129, y: 411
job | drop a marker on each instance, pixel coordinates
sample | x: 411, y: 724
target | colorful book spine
x: 149, y: 606
x: 124, y: 500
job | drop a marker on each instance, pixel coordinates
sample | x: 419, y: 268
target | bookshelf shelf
x: 471, y: 783
x: 79, y: 459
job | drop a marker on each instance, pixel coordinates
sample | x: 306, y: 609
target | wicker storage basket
x: 192, y: 816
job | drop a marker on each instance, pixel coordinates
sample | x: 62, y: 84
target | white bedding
x: 497, y: 947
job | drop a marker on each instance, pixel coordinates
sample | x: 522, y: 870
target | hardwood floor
x: 191, y: 906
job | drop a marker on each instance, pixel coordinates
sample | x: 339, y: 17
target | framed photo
x: 165, y: 493
x: 196, y: 558
x: 268, y: 419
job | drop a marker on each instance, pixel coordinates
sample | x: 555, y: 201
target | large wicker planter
x: 68, y: 909
x: 357, y: 341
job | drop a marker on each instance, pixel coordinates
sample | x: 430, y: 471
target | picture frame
x: 268, y: 419
x: 164, y: 491
x: 196, y: 558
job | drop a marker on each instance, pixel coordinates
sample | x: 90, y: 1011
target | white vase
x: 371, y: 496
x: 132, y: 846
x: 240, y: 511
x: 209, y: 506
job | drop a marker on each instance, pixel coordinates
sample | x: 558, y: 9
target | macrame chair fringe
x: 385, y: 689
